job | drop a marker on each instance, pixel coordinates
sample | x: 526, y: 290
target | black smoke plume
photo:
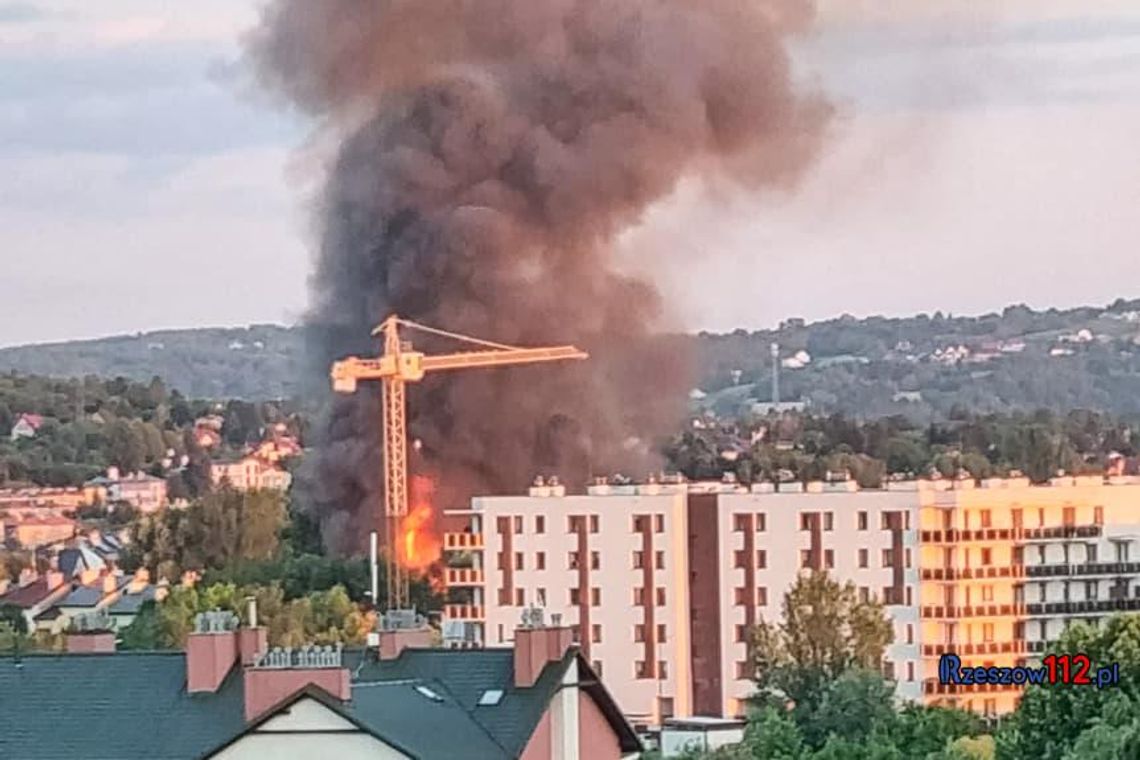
x: 490, y: 154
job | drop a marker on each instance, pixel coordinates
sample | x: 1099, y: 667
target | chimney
x: 280, y: 673
x: 110, y: 584
x: 211, y: 650
x: 54, y: 579
x: 537, y: 645
x: 91, y: 633
x: 400, y: 630
x: 254, y: 639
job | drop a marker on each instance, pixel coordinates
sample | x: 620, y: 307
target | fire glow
x: 420, y: 545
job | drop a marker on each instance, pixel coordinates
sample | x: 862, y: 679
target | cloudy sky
x: 978, y: 160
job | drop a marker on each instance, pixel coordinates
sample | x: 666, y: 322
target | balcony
x: 931, y: 687
x: 966, y: 535
x: 459, y: 542
x: 463, y: 612
x: 1064, y: 531
x: 1085, y: 569
x: 972, y: 573
x: 458, y: 577
x: 975, y: 650
x: 1086, y: 607
x: 975, y: 611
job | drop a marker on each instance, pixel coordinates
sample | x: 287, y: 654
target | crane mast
x: 395, y: 368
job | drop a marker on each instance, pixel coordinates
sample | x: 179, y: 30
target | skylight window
x: 491, y: 697
x: 426, y: 692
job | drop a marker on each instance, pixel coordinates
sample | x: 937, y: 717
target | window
x: 739, y: 559
x: 828, y: 559
x: 661, y: 633
x: 987, y: 518
x: 520, y: 598
x: 639, y: 523
x: 660, y: 597
x: 861, y: 521
x: 638, y: 633
x: 638, y: 560
x: 572, y: 561
x: 910, y: 671
x: 908, y: 558
x: 762, y: 596
x: 987, y: 556
x: 761, y: 559
x: 1090, y: 553
x: 639, y: 597
x: 518, y: 524
x: 665, y: 707
x: 864, y: 558
x: 888, y: 558
x: 540, y: 560
x: 500, y: 633
x: 805, y: 521
x: 574, y: 524
x: 1019, y: 555
x: 662, y: 670
x: 805, y: 558
x: 987, y: 593
x: 885, y: 520
x: 864, y: 594
x: 989, y: 707
x: 741, y: 596
x: 658, y: 523
x: 593, y: 523
x: 909, y: 596
x: 595, y: 597
x: 741, y: 634
x: 1015, y: 516
x: 501, y: 560
x: 910, y: 633
x: 743, y: 670
x: 540, y: 524
x: 518, y: 560
x: 502, y: 525
x: 1069, y: 516
x: 761, y: 522
x: 596, y: 633
x: 504, y: 597
x: 540, y: 597
x: 1091, y: 590
x: 597, y: 666
x: 640, y: 670
x: 595, y: 561
x: 988, y: 632
x: 575, y: 597
x: 740, y: 523
x: 1098, y: 515
x: 829, y: 521
x: 659, y: 560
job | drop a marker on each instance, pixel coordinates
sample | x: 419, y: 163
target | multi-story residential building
x: 663, y: 581
x: 249, y: 473
x: 1006, y: 566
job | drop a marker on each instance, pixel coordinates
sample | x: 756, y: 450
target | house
x: 26, y: 426
x: 35, y: 595
x: 250, y: 473
x: 145, y: 493
x: 229, y: 696
x: 32, y: 531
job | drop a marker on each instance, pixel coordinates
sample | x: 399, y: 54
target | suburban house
x: 26, y: 426
x: 36, y: 595
x: 250, y: 473
x: 229, y: 696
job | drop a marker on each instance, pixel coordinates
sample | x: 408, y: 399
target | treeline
x: 91, y: 423
x: 808, y: 447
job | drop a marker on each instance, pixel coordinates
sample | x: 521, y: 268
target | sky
x: 976, y: 161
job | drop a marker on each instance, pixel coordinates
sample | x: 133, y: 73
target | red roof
x: 30, y: 595
x: 34, y: 420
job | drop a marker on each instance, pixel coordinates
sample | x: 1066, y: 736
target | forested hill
x: 923, y: 366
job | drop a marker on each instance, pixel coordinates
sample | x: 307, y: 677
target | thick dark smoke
x: 491, y: 151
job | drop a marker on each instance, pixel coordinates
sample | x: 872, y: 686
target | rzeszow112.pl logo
x: 1055, y: 669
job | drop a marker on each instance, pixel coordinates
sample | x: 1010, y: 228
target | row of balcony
x: 976, y: 610
x: 963, y: 535
x: 1087, y: 568
x: 981, y: 648
x: 463, y: 612
x: 457, y: 542
x: 972, y: 573
x: 1088, y: 606
x: 459, y: 577
x: 932, y: 686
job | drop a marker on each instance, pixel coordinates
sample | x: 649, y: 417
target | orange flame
x: 421, y: 545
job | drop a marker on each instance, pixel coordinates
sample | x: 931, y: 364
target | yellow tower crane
x: 397, y: 366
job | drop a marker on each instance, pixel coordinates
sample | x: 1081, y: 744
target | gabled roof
x: 30, y: 595
x: 130, y: 604
x: 143, y: 710
x: 83, y: 596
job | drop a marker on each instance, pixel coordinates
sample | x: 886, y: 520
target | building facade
x: 663, y: 581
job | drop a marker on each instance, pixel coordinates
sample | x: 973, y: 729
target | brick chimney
x: 279, y: 673
x: 91, y: 632
x: 400, y: 630
x: 211, y: 650
x: 254, y: 639
x: 537, y: 645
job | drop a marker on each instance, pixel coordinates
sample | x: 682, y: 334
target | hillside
x: 922, y: 366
